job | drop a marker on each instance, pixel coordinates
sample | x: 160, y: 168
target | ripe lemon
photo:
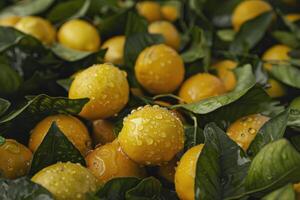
x: 72, y: 127
x: 38, y: 27
x: 103, y: 132
x: 9, y: 21
x: 225, y: 73
x: 185, y: 173
x: 276, y: 89
x: 276, y: 53
x: 151, y: 135
x: 15, y: 159
x: 292, y: 17
x: 169, y: 12
x: 79, y: 35
x: 107, y: 88
x: 297, y: 190
x: 67, y: 181
x: 201, y: 86
x: 248, y: 10
x: 168, y: 31
x: 244, y: 130
x: 159, y: 69
x: 150, y: 10
x: 108, y: 161
x: 115, y: 50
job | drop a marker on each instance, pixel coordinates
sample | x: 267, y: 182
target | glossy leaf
x: 287, y: 193
x: 10, y: 80
x: 287, y: 74
x: 4, y: 105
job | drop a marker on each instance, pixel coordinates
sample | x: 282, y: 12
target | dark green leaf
x: 24, y: 8
x: 115, y: 189
x: 9, y: 37
x: 221, y: 166
x: 65, y: 83
x: 251, y: 33
x: 246, y: 81
x: 54, y: 148
x: 296, y: 142
x: 193, y: 136
x: 286, y: 38
x: 277, y: 164
x: 23, y: 189
x: 136, y: 43
x: 4, y: 105
x: 287, y: 193
x: 135, y: 24
x: 287, y: 74
x: 272, y: 130
x: 10, y: 80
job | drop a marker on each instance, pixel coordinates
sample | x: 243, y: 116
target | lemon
x: 226, y: 74
x: 115, y: 50
x: 150, y: 10
x: 276, y: 53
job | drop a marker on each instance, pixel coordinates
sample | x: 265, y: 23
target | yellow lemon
x: 276, y: 53
x: 115, y: 50
x: 226, y: 74
x: 150, y: 10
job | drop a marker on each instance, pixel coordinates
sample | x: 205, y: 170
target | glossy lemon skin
x: 169, y: 13
x: 276, y: 89
x: 115, y: 50
x: 226, y: 74
x: 151, y: 135
x: 9, y: 21
x: 185, y: 173
x: 38, y: 27
x: 107, y: 88
x: 79, y: 35
x: 150, y: 10
x: 159, y: 69
x: 103, y: 132
x: 15, y: 159
x: 67, y: 181
x: 248, y: 10
x: 201, y: 86
x: 72, y: 127
x: 244, y: 130
x: 108, y: 161
x: 168, y: 31
x: 276, y: 53
x: 292, y: 17
x: 167, y: 171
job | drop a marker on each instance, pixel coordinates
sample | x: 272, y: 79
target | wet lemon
x: 244, y: 130
x: 150, y: 10
x: 107, y: 88
x: 38, y: 27
x: 226, y: 74
x: 72, y: 127
x: 248, y: 10
x: 151, y: 135
x: 168, y: 31
x: 15, y: 159
x: 292, y: 17
x: 9, y: 21
x: 103, y: 132
x: 159, y: 69
x: 167, y: 171
x: 115, y: 50
x: 79, y: 35
x: 169, y: 12
x: 276, y: 53
x: 276, y: 89
x: 185, y: 173
x: 201, y: 86
x: 67, y: 181
x: 108, y: 161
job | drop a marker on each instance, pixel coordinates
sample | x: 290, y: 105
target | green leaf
x: 25, y: 8
x: 287, y: 193
x: 116, y: 188
x: 272, y: 130
x: 65, y: 83
x: 23, y: 189
x: 226, y: 35
x: 287, y: 74
x: 21, y: 120
x: 9, y: 37
x: 246, y: 81
x: 277, y: 164
x: 54, y: 148
x: 193, y: 136
x: 69, y: 10
x: 221, y: 166
x: 4, y: 105
x: 2, y: 140
x: 286, y: 38
x: 135, y: 24
x: 10, y: 80
x: 136, y: 43
x: 251, y: 33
